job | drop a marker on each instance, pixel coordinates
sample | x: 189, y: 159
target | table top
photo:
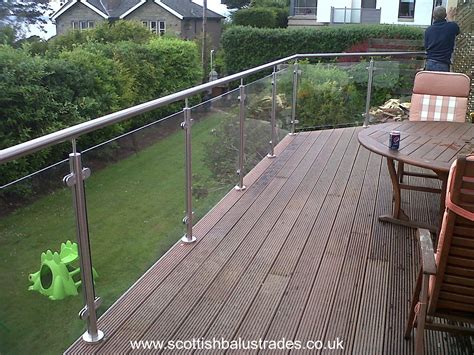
x: 430, y: 145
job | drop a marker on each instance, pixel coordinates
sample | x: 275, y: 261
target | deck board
x: 299, y: 255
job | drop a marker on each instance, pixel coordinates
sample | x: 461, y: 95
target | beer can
x: 394, y: 141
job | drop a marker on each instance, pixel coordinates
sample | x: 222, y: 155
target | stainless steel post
x: 368, y: 97
x: 294, y: 100
x: 273, y: 114
x: 240, y: 170
x: 75, y: 180
x: 188, y: 220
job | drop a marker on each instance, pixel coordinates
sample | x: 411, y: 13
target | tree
x: 235, y: 4
x: 20, y: 14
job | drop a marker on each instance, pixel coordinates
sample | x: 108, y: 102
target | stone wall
x: 78, y: 12
x: 464, y: 53
x: 153, y: 12
x: 192, y: 28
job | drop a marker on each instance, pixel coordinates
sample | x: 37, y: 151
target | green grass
x: 135, y: 209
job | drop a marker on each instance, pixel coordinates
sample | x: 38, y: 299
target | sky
x: 214, y: 5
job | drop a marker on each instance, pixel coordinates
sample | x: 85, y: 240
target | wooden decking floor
x: 300, y: 255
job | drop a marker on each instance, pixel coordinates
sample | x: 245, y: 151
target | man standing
x: 439, y: 40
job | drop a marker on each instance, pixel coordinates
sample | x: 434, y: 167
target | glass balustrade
x: 392, y: 87
x: 135, y: 200
x: 257, y: 126
x: 335, y: 94
x: 39, y: 303
x: 136, y: 192
x: 215, y: 151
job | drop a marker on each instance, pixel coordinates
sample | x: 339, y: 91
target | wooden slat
x: 244, y: 257
x: 343, y: 323
x: 216, y: 296
x: 299, y: 255
x: 205, y: 262
x: 368, y: 335
x: 318, y: 310
x: 316, y: 231
x: 228, y: 320
x: 228, y: 214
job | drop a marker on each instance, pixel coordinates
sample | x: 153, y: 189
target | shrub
x: 281, y: 15
x: 256, y: 17
x: 104, y: 32
x: 40, y: 95
x: 391, y: 79
x: 261, y: 17
x: 327, y: 95
x: 247, y: 47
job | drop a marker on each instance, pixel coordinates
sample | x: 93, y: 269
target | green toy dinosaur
x: 57, y: 275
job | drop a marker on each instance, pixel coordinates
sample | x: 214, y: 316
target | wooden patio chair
x: 445, y: 284
x: 437, y: 96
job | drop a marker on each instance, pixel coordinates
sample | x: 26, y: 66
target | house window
x: 406, y: 9
x: 82, y: 25
x: 156, y: 27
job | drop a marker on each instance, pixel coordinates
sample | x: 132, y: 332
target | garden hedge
x: 261, y: 17
x: 246, y: 47
x: 42, y: 94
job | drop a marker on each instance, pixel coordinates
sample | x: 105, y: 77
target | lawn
x: 135, y: 209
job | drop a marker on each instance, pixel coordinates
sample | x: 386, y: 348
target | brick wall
x: 464, y: 53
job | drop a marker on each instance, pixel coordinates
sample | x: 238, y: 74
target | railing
x: 354, y: 15
x: 305, y: 10
x: 252, y: 119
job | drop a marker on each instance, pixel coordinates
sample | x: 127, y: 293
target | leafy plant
x: 246, y: 47
x: 261, y: 17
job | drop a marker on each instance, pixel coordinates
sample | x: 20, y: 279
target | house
x: 403, y: 12
x: 181, y: 17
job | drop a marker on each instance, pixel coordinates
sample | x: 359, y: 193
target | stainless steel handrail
x: 22, y: 149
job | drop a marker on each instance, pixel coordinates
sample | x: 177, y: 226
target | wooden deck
x: 299, y: 255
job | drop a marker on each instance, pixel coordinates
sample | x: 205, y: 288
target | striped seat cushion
x: 440, y: 96
x: 438, y: 108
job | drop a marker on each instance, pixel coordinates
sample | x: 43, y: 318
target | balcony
x: 348, y: 15
x: 296, y: 251
x: 302, y: 13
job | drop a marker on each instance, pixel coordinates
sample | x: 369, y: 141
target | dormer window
x: 156, y: 27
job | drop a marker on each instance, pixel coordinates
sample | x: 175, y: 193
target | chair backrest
x: 439, y: 96
x: 451, y: 290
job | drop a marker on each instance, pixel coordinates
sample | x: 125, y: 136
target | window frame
x: 406, y: 17
x: 82, y: 25
x: 157, y: 27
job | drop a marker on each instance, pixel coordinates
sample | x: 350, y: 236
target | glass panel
x: 329, y: 95
x: 215, y: 147
x: 36, y: 215
x: 257, y: 121
x: 391, y: 89
x: 284, y: 100
x: 135, y: 200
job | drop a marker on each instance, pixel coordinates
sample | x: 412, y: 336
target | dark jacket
x: 439, y: 40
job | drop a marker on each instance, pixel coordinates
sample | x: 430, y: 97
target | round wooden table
x: 429, y: 145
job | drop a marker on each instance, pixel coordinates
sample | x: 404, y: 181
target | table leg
x: 397, y: 195
x: 442, y: 203
x: 444, y: 185
x: 398, y: 216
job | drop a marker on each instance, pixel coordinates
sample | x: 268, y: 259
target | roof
x: 183, y: 9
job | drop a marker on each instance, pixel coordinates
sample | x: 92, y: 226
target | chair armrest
x: 428, y: 262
